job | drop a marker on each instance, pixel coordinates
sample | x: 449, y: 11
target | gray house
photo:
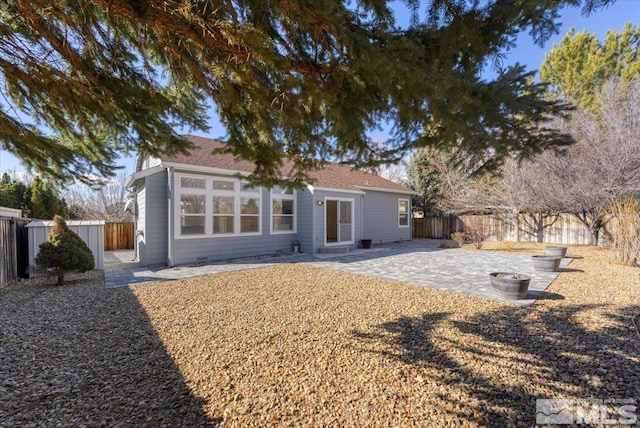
x: 193, y: 208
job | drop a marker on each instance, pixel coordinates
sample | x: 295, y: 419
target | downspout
x: 170, y: 219
x: 134, y: 184
x: 361, y: 219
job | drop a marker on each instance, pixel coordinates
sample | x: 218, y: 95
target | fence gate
x: 119, y: 236
x: 14, y: 249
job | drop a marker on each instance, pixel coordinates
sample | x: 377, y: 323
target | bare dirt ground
x: 298, y: 345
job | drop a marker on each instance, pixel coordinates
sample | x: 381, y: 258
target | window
x: 249, y: 214
x: 192, y: 214
x: 223, y: 185
x: 403, y: 212
x: 194, y: 183
x: 216, y: 207
x: 223, y: 218
x: 283, y: 209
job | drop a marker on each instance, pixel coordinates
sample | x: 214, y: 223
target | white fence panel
x: 91, y: 232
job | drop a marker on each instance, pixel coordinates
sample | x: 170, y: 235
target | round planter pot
x: 366, y: 243
x: 509, y: 286
x: 546, y: 263
x: 555, y: 251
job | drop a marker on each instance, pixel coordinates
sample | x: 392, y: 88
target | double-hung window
x: 403, y: 212
x: 192, y: 206
x: 223, y: 206
x: 283, y: 210
x: 249, y: 209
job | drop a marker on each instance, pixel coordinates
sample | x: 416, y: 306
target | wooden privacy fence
x: 438, y: 227
x: 119, y: 236
x: 563, y: 229
x: 14, y: 250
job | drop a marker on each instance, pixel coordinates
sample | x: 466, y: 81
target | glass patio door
x: 339, y: 221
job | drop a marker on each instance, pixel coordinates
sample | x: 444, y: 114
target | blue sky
x: 525, y: 52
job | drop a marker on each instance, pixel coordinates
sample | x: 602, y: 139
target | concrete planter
x: 510, y: 285
x: 555, y: 251
x: 546, y: 263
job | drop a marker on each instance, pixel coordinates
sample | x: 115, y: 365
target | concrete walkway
x: 418, y: 262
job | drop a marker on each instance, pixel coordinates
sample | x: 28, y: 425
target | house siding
x: 141, y: 213
x: 380, y: 218
x: 305, y: 220
x: 223, y: 248
x: 155, y: 223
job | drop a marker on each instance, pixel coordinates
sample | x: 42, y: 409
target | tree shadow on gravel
x: 557, y: 357
x: 82, y: 355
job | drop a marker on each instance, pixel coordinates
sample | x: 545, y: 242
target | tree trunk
x: 60, y: 277
x: 539, y: 222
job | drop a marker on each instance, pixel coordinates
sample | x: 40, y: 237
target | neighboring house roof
x: 332, y: 176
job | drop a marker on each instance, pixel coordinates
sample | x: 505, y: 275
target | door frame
x: 353, y: 216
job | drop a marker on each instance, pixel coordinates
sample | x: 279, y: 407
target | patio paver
x: 416, y: 262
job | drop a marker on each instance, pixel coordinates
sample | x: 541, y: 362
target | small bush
x: 624, y: 228
x: 459, y: 237
x: 474, y: 230
x: 64, y: 251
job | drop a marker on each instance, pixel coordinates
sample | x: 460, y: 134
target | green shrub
x: 64, y: 251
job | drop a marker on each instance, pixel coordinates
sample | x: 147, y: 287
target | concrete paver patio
x: 418, y: 262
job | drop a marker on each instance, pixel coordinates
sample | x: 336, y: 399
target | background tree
x: 45, y: 200
x: 604, y: 165
x: 64, y: 251
x: 105, y: 201
x: 289, y: 79
x: 584, y: 179
x: 40, y: 199
x: 423, y: 177
x: 13, y: 194
x: 580, y: 64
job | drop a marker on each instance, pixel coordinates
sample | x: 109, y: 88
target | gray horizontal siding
x: 224, y: 248
x: 155, y: 228
x: 380, y: 218
x: 141, y: 212
x: 305, y: 220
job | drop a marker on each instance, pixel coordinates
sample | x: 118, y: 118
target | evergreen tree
x: 580, y: 64
x: 7, y: 197
x: 14, y: 194
x: 424, y: 178
x: 45, y: 201
x: 64, y: 251
x: 290, y: 79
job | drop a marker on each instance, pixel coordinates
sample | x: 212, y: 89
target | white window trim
x: 408, y: 201
x: 190, y: 191
x: 209, y: 193
x: 293, y: 197
x: 353, y: 226
x: 244, y: 194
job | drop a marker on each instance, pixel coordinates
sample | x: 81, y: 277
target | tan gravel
x: 297, y: 345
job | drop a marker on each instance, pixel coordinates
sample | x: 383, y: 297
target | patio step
x: 333, y: 250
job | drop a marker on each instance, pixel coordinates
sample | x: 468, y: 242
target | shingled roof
x: 332, y: 176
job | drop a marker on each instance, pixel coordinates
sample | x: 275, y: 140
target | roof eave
x: 206, y: 169
x: 381, y: 189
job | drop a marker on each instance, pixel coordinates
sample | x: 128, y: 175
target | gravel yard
x: 298, y: 345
